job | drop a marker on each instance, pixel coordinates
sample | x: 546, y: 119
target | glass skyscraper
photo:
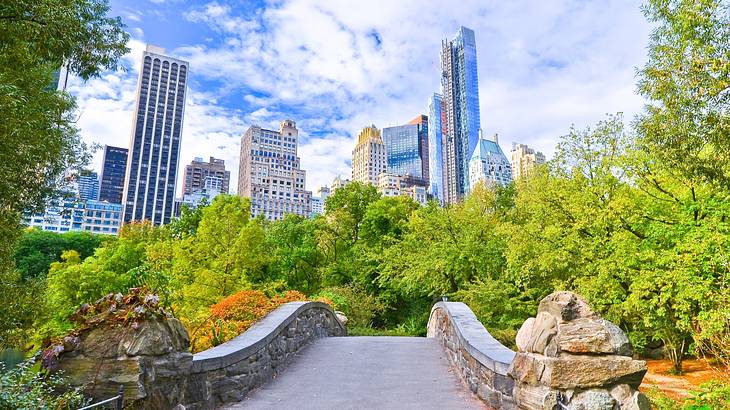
x: 88, y: 186
x: 435, y: 146
x: 149, y: 191
x: 407, y: 148
x: 112, y: 174
x: 460, y: 90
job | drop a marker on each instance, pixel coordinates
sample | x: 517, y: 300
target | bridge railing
x: 229, y: 371
x: 482, y: 361
x: 568, y: 357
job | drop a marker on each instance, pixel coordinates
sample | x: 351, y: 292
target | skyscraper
x: 489, y: 164
x: 406, y: 147
x: 369, y: 156
x: 269, y: 172
x: 88, y: 186
x: 524, y: 159
x: 113, y: 169
x: 149, y: 191
x: 436, y: 123
x: 198, y: 170
x: 460, y: 90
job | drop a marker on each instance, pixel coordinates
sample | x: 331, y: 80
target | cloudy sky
x: 336, y: 66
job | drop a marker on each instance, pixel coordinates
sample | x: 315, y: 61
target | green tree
x: 39, y: 138
x: 226, y: 254
x: 73, y: 282
x: 37, y: 249
x: 444, y: 250
x: 686, y: 78
x: 348, y: 205
x: 188, y: 221
x: 295, y: 256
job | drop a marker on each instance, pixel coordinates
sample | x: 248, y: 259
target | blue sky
x: 337, y: 66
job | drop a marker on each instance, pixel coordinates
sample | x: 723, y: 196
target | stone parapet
x: 568, y: 357
x: 481, y: 360
x: 228, y: 372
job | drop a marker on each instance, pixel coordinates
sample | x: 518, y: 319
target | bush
x: 233, y: 315
x: 24, y: 387
x: 713, y: 395
x: 356, y: 303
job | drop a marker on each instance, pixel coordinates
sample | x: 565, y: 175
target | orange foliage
x: 234, y: 314
x: 288, y: 296
x: 244, y: 305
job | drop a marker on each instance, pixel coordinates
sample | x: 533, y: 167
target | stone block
x: 533, y: 397
x: 503, y: 384
x: 103, y: 342
x: 101, y: 379
x: 568, y: 372
x: 585, y: 335
x: 594, y: 399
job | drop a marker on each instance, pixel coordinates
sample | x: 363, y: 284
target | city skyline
x: 537, y: 76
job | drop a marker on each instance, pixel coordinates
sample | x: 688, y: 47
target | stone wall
x: 228, y: 372
x: 567, y: 353
x: 481, y: 360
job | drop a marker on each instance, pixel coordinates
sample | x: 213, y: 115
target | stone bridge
x: 297, y: 358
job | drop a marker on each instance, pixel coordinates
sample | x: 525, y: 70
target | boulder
x: 586, y: 335
x: 101, y: 378
x: 594, y: 399
x: 155, y: 338
x: 566, y: 306
x: 569, y: 372
x: 543, y: 330
x: 524, y: 334
x: 341, y: 317
x: 628, y: 398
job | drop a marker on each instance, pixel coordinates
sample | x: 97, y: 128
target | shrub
x: 233, y: 315
x: 714, y: 394
x: 356, y: 303
x: 24, y: 387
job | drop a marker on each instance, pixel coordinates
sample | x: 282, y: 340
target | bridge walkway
x: 366, y: 373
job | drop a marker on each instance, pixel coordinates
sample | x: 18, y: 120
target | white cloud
x: 335, y: 66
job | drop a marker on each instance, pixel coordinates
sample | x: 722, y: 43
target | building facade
x: 323, y: 192
x: 210, y: 189
x: 338, y: 183
x: 392, y: 185
x: 71, y: 214
x: 199, y: 171
x: 436, y: 123
x: 523, y: 159
x: 114, y: 166
x: 317, y: 206
x: 489, y: 164
x: 102, y: 217
x: 269, y: 172
x: 369, y: 158
x: 88, y: 186
x: 149, y: 191
x: 460, y: 91
x: 406, y: 147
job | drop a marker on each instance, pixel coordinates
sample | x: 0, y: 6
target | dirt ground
x: 696, y: 372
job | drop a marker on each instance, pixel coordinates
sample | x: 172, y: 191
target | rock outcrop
x: 569, y: 352
x: 125, y: 340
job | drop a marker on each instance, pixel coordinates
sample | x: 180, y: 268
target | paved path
x: 366, y: 373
